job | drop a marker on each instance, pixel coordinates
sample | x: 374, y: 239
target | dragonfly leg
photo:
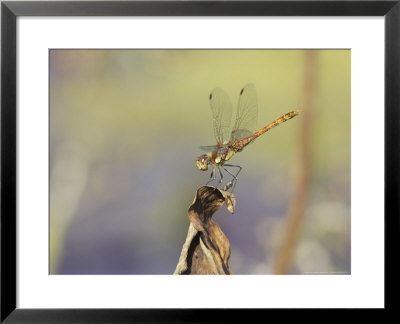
x: 212, y: 176
x: 220, y: 177
x: 235, y: 179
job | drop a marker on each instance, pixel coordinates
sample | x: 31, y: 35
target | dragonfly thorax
x: 202, y: 162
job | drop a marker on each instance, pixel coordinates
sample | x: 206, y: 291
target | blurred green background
x: 125, y: 127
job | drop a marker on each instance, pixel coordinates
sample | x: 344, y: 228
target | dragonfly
x: 233, y: 140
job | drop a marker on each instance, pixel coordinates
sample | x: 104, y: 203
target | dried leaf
x: 206, y: 249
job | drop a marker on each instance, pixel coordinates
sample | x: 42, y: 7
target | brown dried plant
x: 206, y: 249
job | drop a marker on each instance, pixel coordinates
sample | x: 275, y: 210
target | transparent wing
x: 245, y: 123
x: 221, y: 108
x: 238, y: 134
x: 219, y: 149
x: 208, y: 148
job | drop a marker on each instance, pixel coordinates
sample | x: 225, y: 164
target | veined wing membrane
x: 245, y: 123
x: 221, y: 108
x: 219, y: 149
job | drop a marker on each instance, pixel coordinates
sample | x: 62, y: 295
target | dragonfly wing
x: 221, y: 107
x: 245, y: 123
x: 239, y: 134
x: 208, y: 148
x: 218, y: 149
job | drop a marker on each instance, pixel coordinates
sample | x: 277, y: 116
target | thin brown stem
x: 295, y: 214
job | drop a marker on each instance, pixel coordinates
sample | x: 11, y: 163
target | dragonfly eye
x: 202, y: 163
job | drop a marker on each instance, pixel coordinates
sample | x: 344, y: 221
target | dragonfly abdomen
x: 241, y: 144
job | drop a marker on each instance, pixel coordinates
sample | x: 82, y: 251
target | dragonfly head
x: 202, y: 162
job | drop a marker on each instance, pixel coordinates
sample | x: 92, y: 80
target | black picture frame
x: 10, y: 10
